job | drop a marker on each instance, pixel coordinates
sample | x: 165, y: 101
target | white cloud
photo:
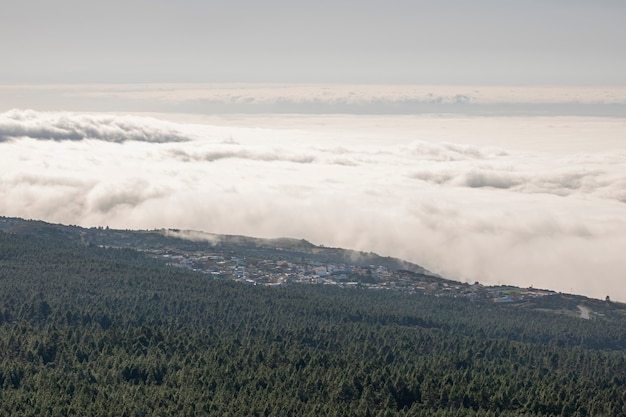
x: 535, y: 174
x: 470, y: 211
x: 219, y: 153
x: 109, y: 198
x: 70, y: 126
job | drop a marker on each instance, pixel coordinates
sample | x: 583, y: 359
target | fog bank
x: 473, y: 209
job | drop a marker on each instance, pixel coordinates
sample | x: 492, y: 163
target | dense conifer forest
x: 86, y: 330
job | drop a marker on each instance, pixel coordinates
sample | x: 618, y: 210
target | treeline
x: 92, y: 331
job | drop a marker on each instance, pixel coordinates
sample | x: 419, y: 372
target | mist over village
x: 493, y: 154
x: 489, y: 206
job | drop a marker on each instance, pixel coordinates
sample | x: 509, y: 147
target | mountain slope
x: 197, y: 241
x: 88, y: 330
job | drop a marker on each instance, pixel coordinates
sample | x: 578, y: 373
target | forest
x: 87, y: 330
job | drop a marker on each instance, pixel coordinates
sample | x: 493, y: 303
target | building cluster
x: 281, y: 272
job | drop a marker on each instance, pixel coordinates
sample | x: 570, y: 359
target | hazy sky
x: 364, y: 41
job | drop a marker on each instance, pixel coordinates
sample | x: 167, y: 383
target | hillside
x: 190, y: 241
x: 94, y: 330
x: 282, y: 261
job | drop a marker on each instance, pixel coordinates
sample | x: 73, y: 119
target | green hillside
x: 191, y: 241
x: 90, y: 330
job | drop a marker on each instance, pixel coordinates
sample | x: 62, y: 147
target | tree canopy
x: 86, y: 330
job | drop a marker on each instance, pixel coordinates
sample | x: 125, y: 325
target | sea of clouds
x: 511, y: 199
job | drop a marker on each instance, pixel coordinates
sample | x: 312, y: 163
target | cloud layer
x: 466, y: 209
x: 323, y: 99
x: 61, y: 126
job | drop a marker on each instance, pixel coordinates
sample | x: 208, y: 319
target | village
x: 372, y: 277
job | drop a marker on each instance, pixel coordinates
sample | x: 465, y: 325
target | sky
x: 482, y: 140
x: 346, y: 41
